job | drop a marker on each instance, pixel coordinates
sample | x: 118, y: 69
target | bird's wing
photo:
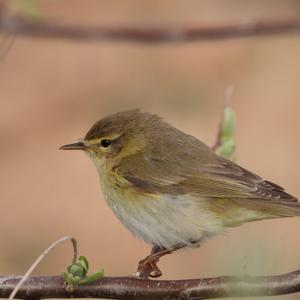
x: 219, y: 178
x: 227, y: 179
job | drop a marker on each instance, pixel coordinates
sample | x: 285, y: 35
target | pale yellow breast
x: 162, y: 219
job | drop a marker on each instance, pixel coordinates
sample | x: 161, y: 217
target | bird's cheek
x: 97, y: 158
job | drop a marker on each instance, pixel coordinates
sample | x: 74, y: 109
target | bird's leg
x: 148, y: 266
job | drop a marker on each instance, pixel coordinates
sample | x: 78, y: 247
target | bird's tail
x: 259, y: 209
x: 278, y: 208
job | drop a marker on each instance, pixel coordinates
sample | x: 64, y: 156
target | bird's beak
x: 74, y: 146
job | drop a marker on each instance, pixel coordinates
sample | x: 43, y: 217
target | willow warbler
x: 170, y: 189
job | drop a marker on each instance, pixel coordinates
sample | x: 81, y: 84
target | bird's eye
x: 105, y: 143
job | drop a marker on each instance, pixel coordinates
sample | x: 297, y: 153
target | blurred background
x: 52, y: 91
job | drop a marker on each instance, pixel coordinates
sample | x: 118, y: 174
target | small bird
x: 170, y: 189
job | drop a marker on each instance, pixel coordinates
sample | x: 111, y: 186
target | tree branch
x: 132, y: 288
x: 17, y: 25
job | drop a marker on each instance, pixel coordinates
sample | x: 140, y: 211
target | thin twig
x: 6, y: 44
x: 40, y: 258
x: 175, y: 33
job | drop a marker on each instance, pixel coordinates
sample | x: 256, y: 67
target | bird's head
x: 118, y: 135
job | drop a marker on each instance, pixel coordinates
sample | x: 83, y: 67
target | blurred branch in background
x: 133, y: 288
x: 29, y: 25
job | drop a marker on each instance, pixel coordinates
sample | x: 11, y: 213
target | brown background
x: 52, y: 91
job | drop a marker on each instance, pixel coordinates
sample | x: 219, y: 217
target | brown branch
x: 132, y: 288
x: 17, y: 25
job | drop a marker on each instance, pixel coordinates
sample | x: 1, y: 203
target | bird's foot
x: 148, y: 268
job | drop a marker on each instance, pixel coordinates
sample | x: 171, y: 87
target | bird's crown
x: 126, y: 122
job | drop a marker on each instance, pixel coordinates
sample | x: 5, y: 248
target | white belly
x: 165, y: 222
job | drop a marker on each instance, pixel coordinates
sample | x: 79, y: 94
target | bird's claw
x: 148, y: 268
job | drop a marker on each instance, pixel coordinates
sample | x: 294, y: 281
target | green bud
x: 228, y: 126
x: 93, y: 277
x: 77, y: 274
x: 227, y: 147
x: 77, y: 270
x: 84, y: 263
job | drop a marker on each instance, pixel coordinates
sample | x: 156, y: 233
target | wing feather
x: 219, y: 178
